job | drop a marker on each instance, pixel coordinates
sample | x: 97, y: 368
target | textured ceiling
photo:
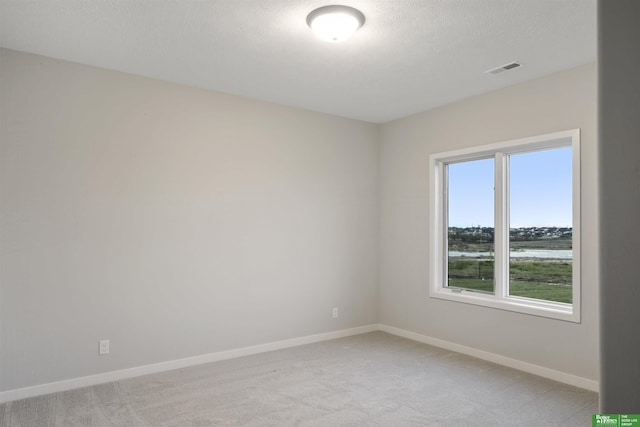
x: 410, y: 56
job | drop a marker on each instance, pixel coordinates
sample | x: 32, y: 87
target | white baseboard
x: 170, y: 365
x: 530, y: 368
x: 122, y: 374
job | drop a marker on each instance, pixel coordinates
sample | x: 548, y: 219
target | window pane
x: 540, y: 228
x: 470, y: 219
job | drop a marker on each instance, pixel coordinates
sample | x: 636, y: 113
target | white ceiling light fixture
x: 335, y: 23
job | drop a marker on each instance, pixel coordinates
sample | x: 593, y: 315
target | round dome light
x: 335, y: 23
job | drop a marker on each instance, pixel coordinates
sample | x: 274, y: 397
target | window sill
x: 548, y: 309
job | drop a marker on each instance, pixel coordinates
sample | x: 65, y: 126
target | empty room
x: 373, y: 213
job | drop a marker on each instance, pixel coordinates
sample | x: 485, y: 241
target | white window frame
x: 438, y: 226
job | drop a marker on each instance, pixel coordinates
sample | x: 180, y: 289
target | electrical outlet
x: 335, y: 312
x: 103, y: 347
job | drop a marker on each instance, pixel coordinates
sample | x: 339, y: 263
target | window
x: 505, y: 225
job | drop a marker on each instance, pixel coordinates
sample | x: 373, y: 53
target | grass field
x: 545, y: 280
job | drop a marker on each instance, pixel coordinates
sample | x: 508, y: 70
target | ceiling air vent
x: 502, y: 68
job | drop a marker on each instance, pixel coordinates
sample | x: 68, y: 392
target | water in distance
x: 524, y: 253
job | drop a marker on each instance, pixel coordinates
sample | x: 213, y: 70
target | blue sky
x: 540, y: 192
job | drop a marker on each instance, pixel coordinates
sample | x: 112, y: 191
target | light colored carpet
x: 372, y: 379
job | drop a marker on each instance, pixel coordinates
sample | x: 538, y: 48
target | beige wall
x: 562, y: 101
x: 178, y: 222
x: 171, y: 220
